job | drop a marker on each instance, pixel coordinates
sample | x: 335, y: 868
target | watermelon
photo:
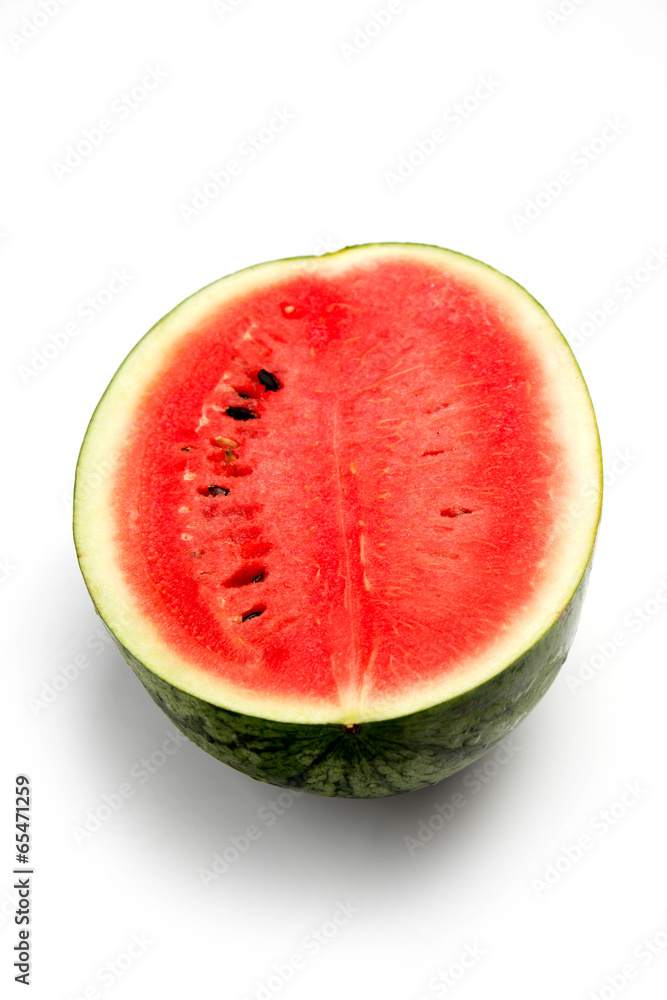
x: 338, y: 514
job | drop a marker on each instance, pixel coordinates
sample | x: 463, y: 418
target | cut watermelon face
x: 344, y: 489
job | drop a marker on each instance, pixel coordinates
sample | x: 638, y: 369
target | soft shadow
x: 193, y: 807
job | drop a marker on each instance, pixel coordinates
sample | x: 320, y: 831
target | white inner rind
x: 574, y: 529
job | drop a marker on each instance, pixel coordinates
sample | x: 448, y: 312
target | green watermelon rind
x: 373, y: 759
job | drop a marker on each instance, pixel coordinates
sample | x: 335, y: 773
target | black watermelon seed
x: 240, y: 413
x: 243, y: 395
x: 215, y: 491
x: 269, y: 381
x: 252, y: 614
x: 258, y: 579
x: 454, y: 511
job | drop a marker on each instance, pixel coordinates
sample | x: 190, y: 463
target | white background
x: 481, y: 882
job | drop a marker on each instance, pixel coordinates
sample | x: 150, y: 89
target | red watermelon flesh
x: 339, y: 488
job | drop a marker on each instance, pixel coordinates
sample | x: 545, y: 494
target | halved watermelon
x: 338, y: 513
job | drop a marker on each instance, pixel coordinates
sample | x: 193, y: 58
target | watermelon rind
x: 372, y: 759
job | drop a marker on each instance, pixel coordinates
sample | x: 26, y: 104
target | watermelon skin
x: 373, y: 759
